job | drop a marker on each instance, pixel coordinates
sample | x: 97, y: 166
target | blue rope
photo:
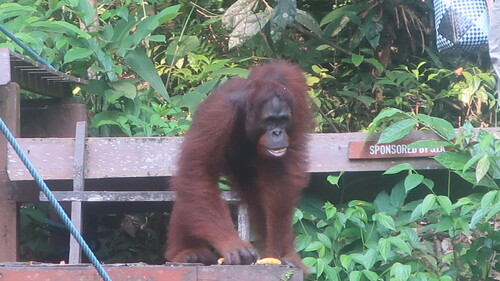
x: 26, y: 48
x: 64, y: 217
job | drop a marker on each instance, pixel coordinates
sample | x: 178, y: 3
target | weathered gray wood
x: 106, y: 157
x: 48, y: 118
x: 125, y: 196
x: 243, y: 222
x: 146, y: 157
x: 75, y: 253
x: 10, y: 114
x: 158, y: 196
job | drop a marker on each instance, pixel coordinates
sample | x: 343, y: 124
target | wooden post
x: 75, y: 251
x: 243, y: 222
x: 10, y: 114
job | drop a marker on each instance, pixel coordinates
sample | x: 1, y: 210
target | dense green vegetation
x: 370, y: 65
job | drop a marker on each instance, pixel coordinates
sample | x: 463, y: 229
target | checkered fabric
x: 461, y: 25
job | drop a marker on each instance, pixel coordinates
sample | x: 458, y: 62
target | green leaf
x: 482, y: 167
x: 429, y: 144
x: 385, y: 220
x: 346, y: 261
x: 445, y: 204
x: 112, y: 95
x: 478, y: 215
x: 105, y: 118
x: 443, y: 225
x: 400, y: 244
x: 462, y: 201
x: 357, y: 59
x: 472, y: 161
x: 320, y: 267
x: 355, y: 276
x: 371, y: 30
x: 334, y: 179
x: 417, y: 213
x: 179, y: 48
x: 398, y: 168
x: 302, y: 241
x: 428, y: 203
x: 387, y: 112
x: 429, y: 183
x: 370, y: 275
x: 61, y: 27
x: 397, y: 130
x: 330, y: 210
x: 412, y: 236
x: 87, y: 11
x: 489, y: 198
x: 370, y: 258
x: 339, y: 12
x: 443, y: 127
x: 191, y: 100
x: 376, y: 63
x: 398, y: 197
x: 400, y: 271
x: 382, y: 202
x: 325, y: 240
x: 147, y: 25
x: 139, y: 61
x: 314, y: 246
x: 493, y: 211
x: 332, y: 273
x: 452, y: 160
x: 308, y: 21
x: 309, y: 262
x: 485, y: 141
x: 157, y: 38
x: 127, y: 89
x: 412, y: 181
x: 77, y: 53
x: 384, y: 247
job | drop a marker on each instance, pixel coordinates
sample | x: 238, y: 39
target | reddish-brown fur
x: 225, y: 139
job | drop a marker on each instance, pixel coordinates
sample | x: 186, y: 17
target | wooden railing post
x: 75, y: 251
x: 10, y: 114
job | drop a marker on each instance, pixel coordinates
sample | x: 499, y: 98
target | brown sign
x: 398, y: 149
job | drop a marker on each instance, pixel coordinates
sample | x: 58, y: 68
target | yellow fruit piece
x: 269, y: 261
x: 220, y: 261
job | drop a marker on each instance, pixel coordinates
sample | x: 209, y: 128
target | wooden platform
x: 142, y: 272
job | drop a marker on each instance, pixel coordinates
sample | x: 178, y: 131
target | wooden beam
x: 10, y: 114
x: 75, y: 252
x: 171, y: 272
x: 153, y: 157
x: 125, y: 196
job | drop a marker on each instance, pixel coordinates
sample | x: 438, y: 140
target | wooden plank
x: 106, y: 157
x: 125, y: 196
x: 147, y: 196
x: 243, y: 222
x: 75, y: 252
x: 150, y: 157
x: 171, y: 272
x: 49, y: 118
x: 10, y: 114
